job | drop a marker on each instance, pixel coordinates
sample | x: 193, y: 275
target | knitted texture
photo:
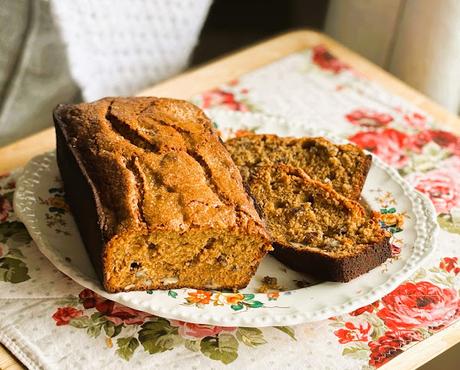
x: 117, y: 47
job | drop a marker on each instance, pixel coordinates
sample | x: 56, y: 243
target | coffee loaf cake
x: 315, y: 229
x: 344, y: 167
x: 157, y: 199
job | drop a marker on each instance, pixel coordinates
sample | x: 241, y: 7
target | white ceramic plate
x: 39, y: 204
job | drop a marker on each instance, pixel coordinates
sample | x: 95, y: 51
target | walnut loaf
x: 344, y: 167
x: 156, y: 197
x: 315, y: 229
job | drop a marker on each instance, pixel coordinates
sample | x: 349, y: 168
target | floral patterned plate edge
x: 291, y: 298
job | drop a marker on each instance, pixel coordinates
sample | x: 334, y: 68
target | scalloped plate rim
x: 238, y: 318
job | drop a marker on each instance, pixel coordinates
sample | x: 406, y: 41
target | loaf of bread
x: 344, y: 167
x: 315, y: 229
x: 156, y: 197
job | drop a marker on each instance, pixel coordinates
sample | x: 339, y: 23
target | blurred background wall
x: 65, y: 51
x: 416, y: 40
x: 231, y: 25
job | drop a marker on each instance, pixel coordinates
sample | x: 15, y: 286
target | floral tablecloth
x: 48, y: 321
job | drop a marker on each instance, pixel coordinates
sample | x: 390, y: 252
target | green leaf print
x: 377, y: 332
x: 255, y: 304
x: 223, y: 348
x: 159, y: 336
x: 94, y: 330
x: 70, y: 300
x: 419, y: 275
x: 287, y: 330
x: 13, y: 270
x: 15, y: 230
x: 172, y: 293
x: 126, y: 347
x: 15, y: 253
x: 251, y: 337
x: 358, y: 353
x: 98, y: 318
x: 387, y: 210
x: 445, y: 221
x: 112, y: 330
x: 9, y: 196
x: 80, y: 322
x: 93, y: 324
x: 192, y: 345
x: 237, y: 307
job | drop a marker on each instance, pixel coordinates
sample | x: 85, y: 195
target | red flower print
x: 113, y: 311
x: 198, y: 331
x: 446, y: 140
x: 353, y: 333
x: 120, y: 314
x: 325, y: 60
x: 273, y: 296
x: 369, y: 308
x: 234, y: 298
x: 442, y: 186
x: 5, y: 208
x: 418, y: 141
x: 390, y: 345
x: 388, y: 144
x: 395, y: 250
x: 199, y: 297
x: 416, y: 120
x: 419, y: 305
x: 63, y: 315
x: 88, y: 298
x: 443, y: 138
x: 368, y: 118
x: 222, y: 98
x: 449, y: 264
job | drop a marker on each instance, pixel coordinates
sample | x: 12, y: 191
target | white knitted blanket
x: 117, y: 47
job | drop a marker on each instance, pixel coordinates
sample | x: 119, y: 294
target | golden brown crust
x: 344, y: 167
x: 149, y: 165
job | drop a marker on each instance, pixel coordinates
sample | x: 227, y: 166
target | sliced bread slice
x: 315, y: 229
x: 344, y: 167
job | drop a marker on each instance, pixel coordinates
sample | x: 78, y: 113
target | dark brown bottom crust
x: 333, y: 269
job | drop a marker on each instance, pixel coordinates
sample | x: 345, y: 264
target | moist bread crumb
x: 315, y: 229
x: 344, y: 167
x: 157, y: 198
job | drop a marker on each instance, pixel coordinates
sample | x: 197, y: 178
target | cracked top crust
x: 157, y: 163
